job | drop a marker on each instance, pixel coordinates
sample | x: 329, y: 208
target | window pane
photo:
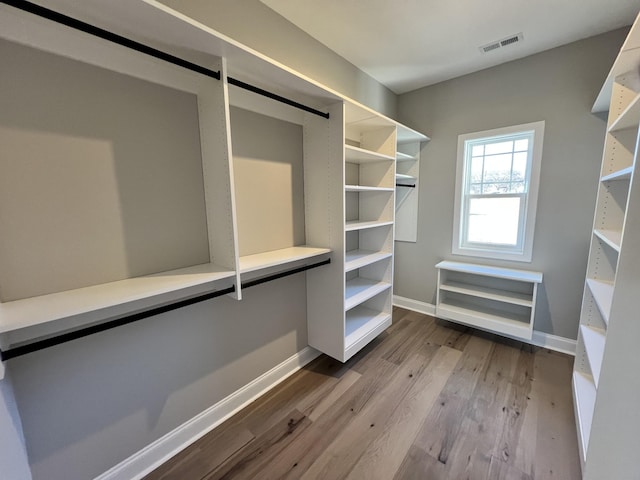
x: 520, y: 166
x: 494, y: 220
x: 475, y: 188
x: 497, y: 168
x: 518, y: 187
x: 476, y: 170
x: 521, y: 145
x: 477, y: 150
x: 500, y: 147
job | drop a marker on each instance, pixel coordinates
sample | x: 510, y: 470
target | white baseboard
x: 414, y: 305
x: 155, y: 454
x: 540, y: 339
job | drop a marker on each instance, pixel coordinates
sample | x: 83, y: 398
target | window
x: 497, y: 191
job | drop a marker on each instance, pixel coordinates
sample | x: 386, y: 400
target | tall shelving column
x: 605, y: 384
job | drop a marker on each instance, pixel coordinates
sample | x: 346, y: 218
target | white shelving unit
x: 501, y: 300
x: 338, y: 202
x: 605, y: 380
x: 409, y: 144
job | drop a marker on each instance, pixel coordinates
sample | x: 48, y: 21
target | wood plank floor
x: 426, y: 400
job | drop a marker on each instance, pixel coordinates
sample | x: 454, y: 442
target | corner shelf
x: 501, y: 300
x: 622, y: 174
x: 629, y: 117
x: 613, y: 238
x: 603, y: 295
x: 594, y: 341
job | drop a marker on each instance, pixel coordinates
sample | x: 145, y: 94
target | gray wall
x: 257, y: 26
x: 557, y: 86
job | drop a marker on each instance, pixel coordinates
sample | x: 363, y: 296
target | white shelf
x: 497, y: 272
x: 498, y: 295
x: 402, y: 176
x: 274, y: 258
x: 485, y: 317
x: 584, y: 397
x: 603, y: 295
x: 360, y: 188
x: 105, y: 301
x: 361, y: 258
x: 360, y: 155
x: 613, y: 238
x: 403, y: 157
x: 353, y: 225
x: 622, y: 174
x: 360, y: 290
x: 629, y: 117
x: 361, y: 326
x: 594, y: 341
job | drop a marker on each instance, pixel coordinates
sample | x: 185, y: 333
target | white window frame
x: 524, y: 250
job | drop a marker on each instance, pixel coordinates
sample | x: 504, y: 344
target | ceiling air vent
x: 505, y: 42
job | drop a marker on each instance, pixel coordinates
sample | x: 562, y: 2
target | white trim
x: 540, y: 339
x: 155, y: 454
x: 414, y: 305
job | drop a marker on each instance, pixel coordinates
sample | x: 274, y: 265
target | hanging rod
x: 404, y: 185
x: 107, y: 35
x: 153, y: 52
x: 134, y: 317
x: 274, y: 96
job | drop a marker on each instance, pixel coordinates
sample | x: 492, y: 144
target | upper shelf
x: 630, y: 116
x: 102, y: 302
x: 360, y: 155
x: 622, y: 174
x: 404, y: 157
x: 497, y: 272
x: 274, y: 258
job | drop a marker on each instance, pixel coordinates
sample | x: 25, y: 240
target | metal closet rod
x: 404, y: 185
x: 153, y: 52
x: 134, y: 317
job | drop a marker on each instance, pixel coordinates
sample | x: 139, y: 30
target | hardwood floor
x: 426, y: 400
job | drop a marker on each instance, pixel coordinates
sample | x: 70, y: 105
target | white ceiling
x: 407, y: 44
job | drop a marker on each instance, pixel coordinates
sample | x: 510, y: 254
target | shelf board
x: 360, y: 290
x: 629, y: 118
x: 622, y: 174
x: 514, y: 298
x: 353, y: 225
x: 274, y: 258
x: 486, y: 318
x: 584, y: 399
x: 613, y: 238
x: 594, y: 340
x: 360, y: 155
x: 497, y: 272
x: 361, y: 258
x: 361, y: 326
x: 402, y: 176
x: 603, y: 294
x: 361, y: 188
x: 409, y: 135
x: 404, y: 157
x: 103, y: 302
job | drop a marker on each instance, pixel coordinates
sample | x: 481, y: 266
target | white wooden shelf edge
x: 99, y: 301
x: 361, y: 326
x: 361, y: 188
x: 622, y: 174
x: 402, y: 176
x: 613, y: 238
x: 258, y: 261
x: 488, y: 319
x: 514, y: 298
x: 356, y: 154
x: 404, y: 157
x: 358, y: 225
x: 584, y: 397
x: 361, y: 258
x: 594, y: 340
x: 630, y: 116
x: 603, y: 295
x: 361, y: 289
x: 497, y: 272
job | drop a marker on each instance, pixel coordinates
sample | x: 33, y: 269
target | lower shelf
x: 361, y: 326
x: 486, y: 318
x: 584, y: 399
x: 361, y: 289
